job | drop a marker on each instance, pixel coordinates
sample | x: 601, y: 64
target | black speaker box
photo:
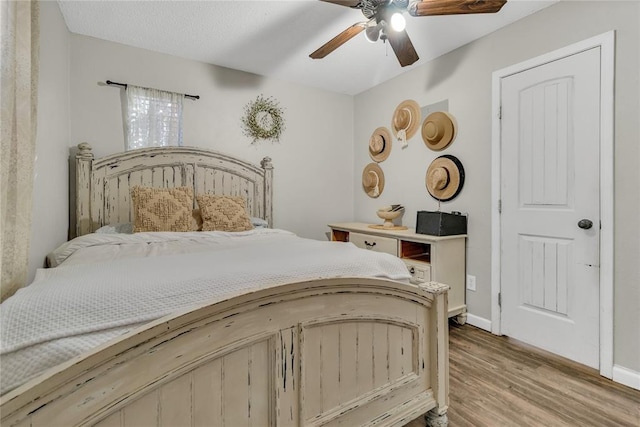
x: 441, y: 223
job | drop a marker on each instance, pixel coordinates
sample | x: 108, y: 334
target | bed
x: 302, y: 347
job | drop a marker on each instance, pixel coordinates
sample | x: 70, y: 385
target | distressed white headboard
x: 103, y: 185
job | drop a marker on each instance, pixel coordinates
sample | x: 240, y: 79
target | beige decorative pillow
x: 223, y: 213
x: 162, y: 209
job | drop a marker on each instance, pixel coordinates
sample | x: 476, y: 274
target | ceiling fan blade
x: 348, y: 3
x: 403, y: 48
x: 338, y: 40
x: 454, y: 7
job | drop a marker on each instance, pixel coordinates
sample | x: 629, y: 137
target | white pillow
x: 120, y: 228
x: 259, y: 222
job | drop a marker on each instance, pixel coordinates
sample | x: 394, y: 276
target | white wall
x: 313, y: 161
x: 463, y: 77
x: 50, y: 194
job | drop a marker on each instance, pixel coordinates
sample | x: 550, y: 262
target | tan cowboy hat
x: 407, y: 116
x: 445, y: 178
x: 373, y: 180
x: 439, y: 130
x: 380, y: 144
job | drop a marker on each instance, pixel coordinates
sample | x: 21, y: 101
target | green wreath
x: 263, y: 119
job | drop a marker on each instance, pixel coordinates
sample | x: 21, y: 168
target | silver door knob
x: 585, y: 224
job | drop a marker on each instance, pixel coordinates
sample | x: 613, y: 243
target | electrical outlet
x: 471, y: 282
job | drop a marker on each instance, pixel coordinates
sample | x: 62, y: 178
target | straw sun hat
x: 373, y: 180
x: 439, y: 130
x: 380, y: 144
x: 406, y: 120
x: 445, y: 178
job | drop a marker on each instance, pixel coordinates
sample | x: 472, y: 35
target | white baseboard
x: 479, y: 322
x: 626, y: 377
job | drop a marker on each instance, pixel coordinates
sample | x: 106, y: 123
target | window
x: 153, y: 118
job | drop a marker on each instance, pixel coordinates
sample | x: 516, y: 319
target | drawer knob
x: 412, y: 270
x: 369, y: 245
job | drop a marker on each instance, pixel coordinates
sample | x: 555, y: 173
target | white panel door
x: 549, y: 183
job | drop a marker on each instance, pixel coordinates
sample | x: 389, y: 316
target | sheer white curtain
x: 153, y: 118
x: 20, y: 38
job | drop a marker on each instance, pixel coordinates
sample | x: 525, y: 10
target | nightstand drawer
x: 420, y: 271
x: 375, y: 243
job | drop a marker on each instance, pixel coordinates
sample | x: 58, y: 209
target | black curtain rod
x: 124, y: 85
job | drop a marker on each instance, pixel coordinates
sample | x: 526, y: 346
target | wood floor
x: 498, y: 381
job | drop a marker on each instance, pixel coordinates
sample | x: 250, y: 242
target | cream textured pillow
x: 162, y: 209
x: 223, y: 213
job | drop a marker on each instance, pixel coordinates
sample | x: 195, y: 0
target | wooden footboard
x: 347, y: 352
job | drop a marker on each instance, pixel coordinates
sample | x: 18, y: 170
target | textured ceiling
x: 275, y: 38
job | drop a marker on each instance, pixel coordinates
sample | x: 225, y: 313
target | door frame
x: 606, y: 42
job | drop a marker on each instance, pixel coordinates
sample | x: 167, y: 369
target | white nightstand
x: 438, y: 258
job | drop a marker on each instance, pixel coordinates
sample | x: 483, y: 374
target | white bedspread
x: 106, y: 285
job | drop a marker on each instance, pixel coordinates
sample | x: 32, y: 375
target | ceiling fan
x: 385, y: 21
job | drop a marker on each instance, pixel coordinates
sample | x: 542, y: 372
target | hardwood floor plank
x: 498, y: 381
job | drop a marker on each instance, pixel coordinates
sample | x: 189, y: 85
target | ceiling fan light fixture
x: 398, y: 23
x: 382, y: 14
x: 372, y: 33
